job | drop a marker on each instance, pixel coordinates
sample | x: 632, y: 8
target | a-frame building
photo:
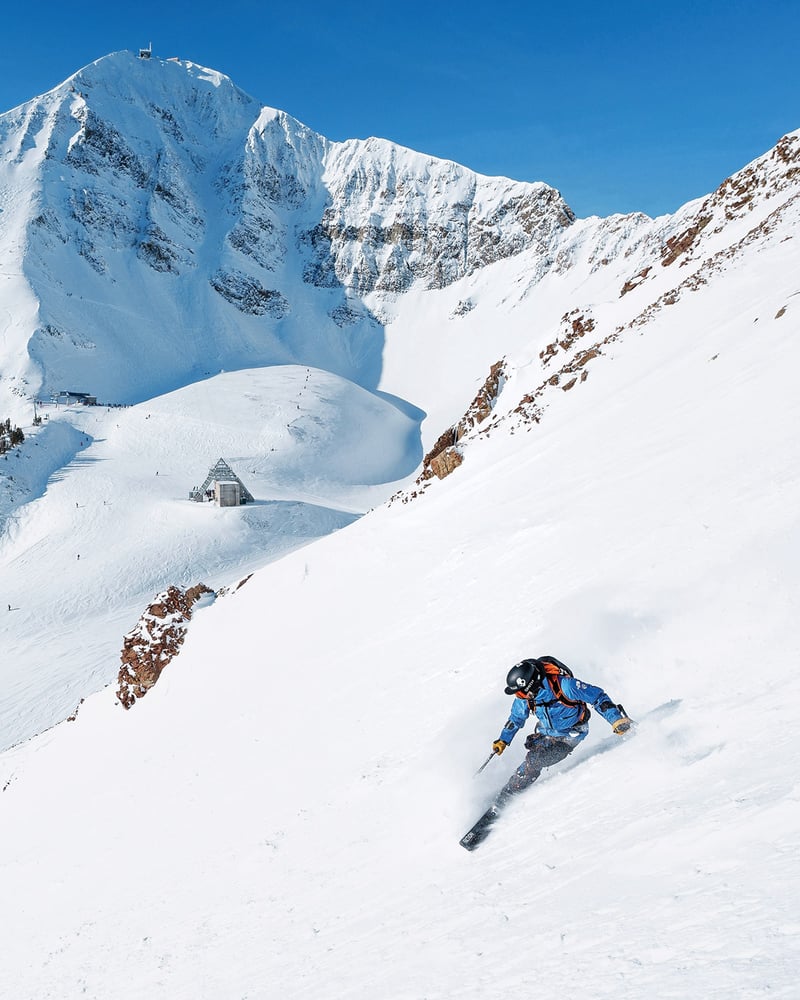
x: 221, y: 475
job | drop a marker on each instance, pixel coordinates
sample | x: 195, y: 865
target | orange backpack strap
x: 554, y: 671
x: 554, y: 676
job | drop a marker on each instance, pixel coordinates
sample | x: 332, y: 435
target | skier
x: 560, y: 702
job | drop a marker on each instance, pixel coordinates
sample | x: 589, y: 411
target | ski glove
x: 621, y: 726
x: 499, y: 746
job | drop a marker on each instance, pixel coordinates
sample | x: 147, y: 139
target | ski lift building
x: 223, y: 486
x: 68, y: 397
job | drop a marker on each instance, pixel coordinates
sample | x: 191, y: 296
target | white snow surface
x: 279, y: 817
x: 113, y: 525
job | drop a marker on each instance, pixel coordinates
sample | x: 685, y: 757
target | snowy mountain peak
x: 122, y: 76
x: 162, y: 224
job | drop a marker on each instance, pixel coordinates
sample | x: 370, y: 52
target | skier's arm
x: 519, y: 716
x: 596, y: 697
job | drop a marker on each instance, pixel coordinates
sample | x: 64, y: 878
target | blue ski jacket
x: 554, y: 717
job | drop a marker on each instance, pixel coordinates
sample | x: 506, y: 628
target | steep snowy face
x: 135, y: 149
x: 126, y: 186
x: 160, y: 225
x: 396, y: 218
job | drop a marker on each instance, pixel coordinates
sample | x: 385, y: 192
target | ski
x: 480, y: 831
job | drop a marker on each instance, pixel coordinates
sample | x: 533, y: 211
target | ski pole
x: 492, y: 754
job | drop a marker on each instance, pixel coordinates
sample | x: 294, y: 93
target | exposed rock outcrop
x: 444, y: 457
x: 249, y: 295
x: 155, y: 640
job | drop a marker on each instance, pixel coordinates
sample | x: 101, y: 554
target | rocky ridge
x: 746, y: 210
x: 703, y: 242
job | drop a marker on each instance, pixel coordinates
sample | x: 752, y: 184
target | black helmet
x: 526, y: 676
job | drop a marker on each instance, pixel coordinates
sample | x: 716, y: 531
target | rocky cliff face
x: 396, y: 219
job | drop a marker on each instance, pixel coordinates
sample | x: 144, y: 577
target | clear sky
x: 622, y: 106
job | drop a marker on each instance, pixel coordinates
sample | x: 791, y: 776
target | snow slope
x: 113, y: 525
x: 280, y: 816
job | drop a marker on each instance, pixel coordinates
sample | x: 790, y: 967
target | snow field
x: 280, y: 816
x: 113, y: 527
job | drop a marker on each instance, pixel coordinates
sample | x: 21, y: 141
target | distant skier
x: 560, y: 702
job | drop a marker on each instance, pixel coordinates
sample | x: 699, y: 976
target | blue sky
x: 621, y: 106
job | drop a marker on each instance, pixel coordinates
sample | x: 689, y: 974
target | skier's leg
x: 543, y: 751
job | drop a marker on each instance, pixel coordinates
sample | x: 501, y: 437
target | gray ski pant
x: 543, y: 751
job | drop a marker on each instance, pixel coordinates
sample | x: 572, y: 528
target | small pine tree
x: 10, y: 436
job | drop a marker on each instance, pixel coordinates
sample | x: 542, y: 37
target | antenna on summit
x: 146, y: 53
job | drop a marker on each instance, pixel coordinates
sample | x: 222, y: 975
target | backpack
x: 553, y: 670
